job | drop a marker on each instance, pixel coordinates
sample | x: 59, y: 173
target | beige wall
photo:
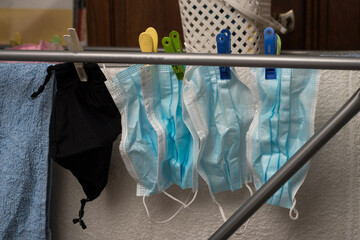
x: 34, y: 20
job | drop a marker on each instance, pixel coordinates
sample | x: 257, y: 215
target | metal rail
x: 289, y: 61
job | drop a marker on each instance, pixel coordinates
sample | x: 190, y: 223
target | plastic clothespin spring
x: 224, y: 47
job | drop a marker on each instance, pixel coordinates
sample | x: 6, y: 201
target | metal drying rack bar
x: 281, y: 61
x: 301, y: 157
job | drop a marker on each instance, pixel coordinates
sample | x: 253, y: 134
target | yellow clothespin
x: 148, y: 40
x: 73, y: 44
x: 17, y: 40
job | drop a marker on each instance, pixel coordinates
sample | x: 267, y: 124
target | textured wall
x: 35, y: 20
x: 328, y: 202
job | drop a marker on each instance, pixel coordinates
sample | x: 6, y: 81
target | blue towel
x: 24, y: 161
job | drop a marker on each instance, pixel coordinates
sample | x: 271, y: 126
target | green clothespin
x: 175, y: 38
x: 56, y: 39
x: 172, y: 44
x: 278, y: 45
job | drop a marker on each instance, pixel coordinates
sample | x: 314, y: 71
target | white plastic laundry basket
x: 202, y: 20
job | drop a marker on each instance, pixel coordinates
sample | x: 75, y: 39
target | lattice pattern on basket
x: 202, y: 20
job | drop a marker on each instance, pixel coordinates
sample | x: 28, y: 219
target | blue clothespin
x: 224, y: 47
x: 270, y: 47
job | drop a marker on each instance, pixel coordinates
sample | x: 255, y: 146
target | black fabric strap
x: 81, y: 214
x: 42, y: 87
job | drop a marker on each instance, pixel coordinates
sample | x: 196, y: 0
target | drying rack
x: 299, y: 159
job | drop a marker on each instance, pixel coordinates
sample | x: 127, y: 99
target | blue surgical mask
x: 283, y: 122
x: 221, y: 112
x: 162, y: 99
x: 139, y: 142
x: 149, y: 99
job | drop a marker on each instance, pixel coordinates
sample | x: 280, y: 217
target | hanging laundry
x: 139, y: 143
x: 43, y: 45
x: 283, y: 122
x: 163, y: 104
x: 155, y: 148
x: 156, y: 145
x: 84, y: 124
x: 24, y: 162
x: 221, y: 111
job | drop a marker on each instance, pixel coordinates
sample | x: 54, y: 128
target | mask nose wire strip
x: 183, y: 205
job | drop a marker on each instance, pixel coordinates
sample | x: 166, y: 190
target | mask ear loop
x: 177, y: 200
x: 293, y: 211
x: 189, y: 49
x: 160, y: 222
x: 183, y: 205
x: 222, y: 213
x: 247, y: 222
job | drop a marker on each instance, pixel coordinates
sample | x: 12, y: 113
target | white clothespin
x: 73, y: 44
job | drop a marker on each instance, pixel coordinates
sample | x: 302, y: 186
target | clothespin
x: 152, y: 32
x: 272, y: 46
x: 172, y: 44
x: 148, y: 40
x: 278, y: 44
x: 73, y: 44
x: 224, y: 47
x: 16, y: 41
x: 56, y: 39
